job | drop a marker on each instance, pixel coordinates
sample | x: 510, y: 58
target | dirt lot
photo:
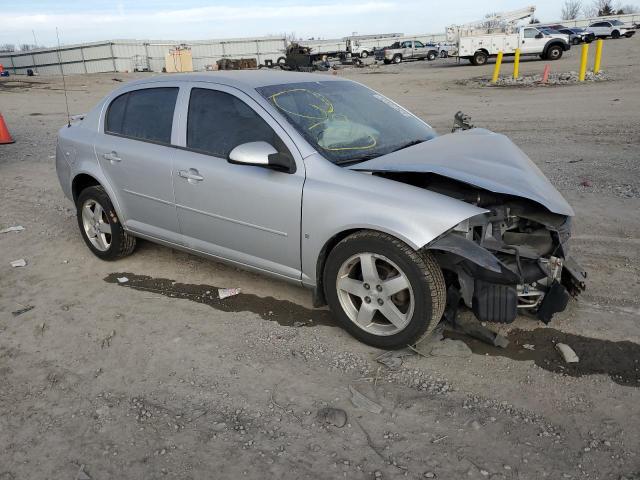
x: 157, y: 378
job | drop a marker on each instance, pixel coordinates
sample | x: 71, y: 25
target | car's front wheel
x: 382, y: 291
x: 615, y: 34
x: 554, y: 52
x: 100, y: 227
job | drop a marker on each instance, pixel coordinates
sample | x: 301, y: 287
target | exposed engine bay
x: 512, y: 259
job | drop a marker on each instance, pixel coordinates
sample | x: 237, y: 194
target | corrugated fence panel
x: 49, y: 70
x: 95, y: 53
x: 74, y: 55
x: 73, y: 68
x: 99, y: 66
x: 206, y: 50
x: 123, y: 64
x: 128, y: 50
x: 23, y: 61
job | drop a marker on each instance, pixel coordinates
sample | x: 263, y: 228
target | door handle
x: 112, y: 157
x: 192, y: 175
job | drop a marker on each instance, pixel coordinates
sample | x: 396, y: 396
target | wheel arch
x: 85, y: 179
x: 82, y: 181
x: 553, y: 43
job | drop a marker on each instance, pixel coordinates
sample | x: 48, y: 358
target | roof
x: 243, y: 79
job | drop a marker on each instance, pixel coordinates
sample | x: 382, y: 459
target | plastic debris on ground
x: 22, y: 310
x: 19, y: 263
x: 123, y: 279
x: 332, y: 416
x: 393, y: 358
x: 82, y: 475
x: 361, y: 401
x: 227, y: 292
x: 567, y: 353
x: 17, y: 228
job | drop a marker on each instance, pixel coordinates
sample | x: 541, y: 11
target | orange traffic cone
x: 5, y: 136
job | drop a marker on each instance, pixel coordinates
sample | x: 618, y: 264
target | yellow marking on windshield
x: 327, y: 114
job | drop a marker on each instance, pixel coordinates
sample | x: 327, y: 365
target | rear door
x: 135, y: 153
x: 243, y: 213
x: 407, y: 49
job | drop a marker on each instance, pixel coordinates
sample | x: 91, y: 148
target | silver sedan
x: 326, y: 183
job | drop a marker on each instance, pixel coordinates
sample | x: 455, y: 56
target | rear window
x: 143, y: 114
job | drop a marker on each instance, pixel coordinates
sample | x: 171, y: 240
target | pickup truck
x: 610, y: 28
x: 406, y: 50
x: 478, y: 48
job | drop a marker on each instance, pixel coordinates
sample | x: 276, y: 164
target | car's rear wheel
x: 575, y: 41
x: 382, y: 291
x: 397, y: 58
x: 615, y: 34
x: 364, y: 54
x: 100, y: 226
x: 479, y: 58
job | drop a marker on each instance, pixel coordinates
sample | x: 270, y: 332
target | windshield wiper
x: 362, y: 158
x: 406, y: 145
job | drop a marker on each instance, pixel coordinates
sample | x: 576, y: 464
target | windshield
x: 345, y: 121
x: 616, y: 22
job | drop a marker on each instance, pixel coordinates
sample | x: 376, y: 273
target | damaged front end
x: 512, y: 259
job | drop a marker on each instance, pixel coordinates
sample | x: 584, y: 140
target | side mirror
x: 262, y: 154
x: 539, y: 35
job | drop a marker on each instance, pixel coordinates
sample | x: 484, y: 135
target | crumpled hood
x: 478, y: 157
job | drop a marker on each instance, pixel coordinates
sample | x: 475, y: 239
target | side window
x: 406, y: 45
x: 143, y: 114
x: 218, y: 122
x: 530, y: 33
x: 418, y: 45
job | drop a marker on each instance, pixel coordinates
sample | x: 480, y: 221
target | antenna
x: 64, y: 83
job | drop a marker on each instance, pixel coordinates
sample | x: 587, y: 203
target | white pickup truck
x: 479, y: 47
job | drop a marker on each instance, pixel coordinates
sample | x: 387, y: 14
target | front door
x: 533, y: 41
x: 134, y: 152
x: 243, y: 213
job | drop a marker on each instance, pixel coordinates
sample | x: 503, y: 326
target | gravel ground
x: 158, y: 378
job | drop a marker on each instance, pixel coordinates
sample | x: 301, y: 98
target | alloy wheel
x: 375, y: 294
x: 96, y: 225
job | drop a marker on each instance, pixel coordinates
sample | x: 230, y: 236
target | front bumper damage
x: 505, y: 271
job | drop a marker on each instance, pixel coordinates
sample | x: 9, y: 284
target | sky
x: 87, y: 20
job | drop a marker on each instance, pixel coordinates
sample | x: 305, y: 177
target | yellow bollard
x: 516, y: 64
x: 583, y: 62
x: 596, y: 65
x: 496, y: 69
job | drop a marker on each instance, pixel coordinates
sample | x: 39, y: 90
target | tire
x: 397, y: 58
x: 479, y: 58
x: 106, y: 246
x: 423, y: 300
x: 431, y: 56
x: 364, y: 54
x: 386, y: 62
x: 615, y: 34
x: 444, y: 54
x: 281, y: 61
x: 554, y: 52
x: 575, y: 41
